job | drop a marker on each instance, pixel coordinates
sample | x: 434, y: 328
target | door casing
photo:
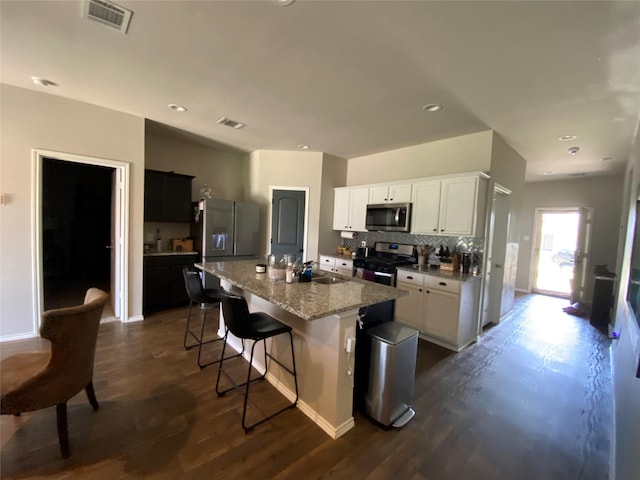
x: 121, y: 218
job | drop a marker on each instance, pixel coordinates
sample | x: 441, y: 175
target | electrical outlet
x: 349, y: 334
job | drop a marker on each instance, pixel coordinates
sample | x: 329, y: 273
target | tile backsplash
x: 459, y: 244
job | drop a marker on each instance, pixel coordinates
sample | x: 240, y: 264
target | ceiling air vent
x: 109, y: 14
x: 231, y: 123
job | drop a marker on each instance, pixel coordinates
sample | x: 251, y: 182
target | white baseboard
x: 135, y: 318
x: 17, y: 336
x: 331, y: 430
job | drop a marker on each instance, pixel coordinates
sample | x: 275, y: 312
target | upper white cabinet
x: 399, y: 193
x: 350, y: 208
x: 450, y: 206
x: 426, y: 207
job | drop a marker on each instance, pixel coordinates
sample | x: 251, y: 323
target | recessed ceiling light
x: 432, y: 107
x: 574, y: 150
x: 43, y: 82
x: 177, y: 108
x: 564, y: 138
x: 303, y: 147
x: 283, y: 3
x: 548, y: 173
x: 605, y: 159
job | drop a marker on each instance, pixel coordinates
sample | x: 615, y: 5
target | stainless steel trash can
x: 392, y: 373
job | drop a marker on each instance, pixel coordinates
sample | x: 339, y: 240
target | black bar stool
x: 207, y: 298
x: 252, y: 326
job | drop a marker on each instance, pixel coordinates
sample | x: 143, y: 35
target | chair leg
x: 63, y: 433
x: 248, y: 428
x: 187, y: 331
x: 224, y: 347
x: 91, y: 395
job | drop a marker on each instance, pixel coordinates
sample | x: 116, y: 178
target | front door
x: 287, y: 223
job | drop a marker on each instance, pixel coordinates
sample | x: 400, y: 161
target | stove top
x: 386, y: 257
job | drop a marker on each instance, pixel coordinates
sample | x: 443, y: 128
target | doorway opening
x: 554, y: 262
x: 76, y: 230
x: 80, y: 231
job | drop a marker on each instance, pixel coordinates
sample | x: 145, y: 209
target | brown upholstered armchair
x: 31, y: 381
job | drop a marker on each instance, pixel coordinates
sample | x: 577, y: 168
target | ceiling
x: 350, y: 78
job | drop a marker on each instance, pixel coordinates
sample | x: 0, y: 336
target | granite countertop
x: 309, y: 300
x: 436, y: 272
x: 165, y: 253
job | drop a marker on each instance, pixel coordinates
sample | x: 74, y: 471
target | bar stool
x: 207, y: 298
x: 252, y: 326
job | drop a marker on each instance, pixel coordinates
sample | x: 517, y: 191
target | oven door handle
x: 380, y: 274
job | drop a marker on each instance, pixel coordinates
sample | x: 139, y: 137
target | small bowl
x: 261, y: 268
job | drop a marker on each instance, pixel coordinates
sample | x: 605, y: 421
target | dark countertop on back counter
x: 436, y: 272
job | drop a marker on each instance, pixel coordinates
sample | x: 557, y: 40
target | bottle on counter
x: 158, y: 240
x: 288, y: 276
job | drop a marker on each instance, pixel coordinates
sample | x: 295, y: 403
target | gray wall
x: 625, y: 352
x: 603, y: 194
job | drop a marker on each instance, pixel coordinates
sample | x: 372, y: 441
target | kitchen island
x: 322, y: 316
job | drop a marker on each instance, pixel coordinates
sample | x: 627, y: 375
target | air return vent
x: 231, y: 123
x: 109, y: 14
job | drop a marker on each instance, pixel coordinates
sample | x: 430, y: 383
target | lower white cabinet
x: 341, y: 266
x: 443, y: 310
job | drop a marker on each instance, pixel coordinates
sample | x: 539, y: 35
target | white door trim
x: 122, y: 217
x: 306, y: 215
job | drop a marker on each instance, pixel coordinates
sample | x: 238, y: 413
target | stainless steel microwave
x: 389, y: 217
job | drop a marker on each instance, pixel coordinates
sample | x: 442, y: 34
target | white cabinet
x: 410, y: 308
x: 350, y: 208
x: 341, y: 266
x: 399, y: 193
x: 426, y: 207
x: 450, y: 206
x: 444, y: 311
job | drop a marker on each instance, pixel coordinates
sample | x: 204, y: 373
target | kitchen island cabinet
x: 322, y: 316
x: 444, y: 307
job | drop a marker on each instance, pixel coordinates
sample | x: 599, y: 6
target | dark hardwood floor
x: 530, y: 400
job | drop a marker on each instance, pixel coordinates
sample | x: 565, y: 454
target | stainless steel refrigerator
x: 225, y: 230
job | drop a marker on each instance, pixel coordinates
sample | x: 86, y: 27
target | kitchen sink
x: 327, y: 280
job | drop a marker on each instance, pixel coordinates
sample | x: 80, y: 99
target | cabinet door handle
x: 444, y: 284
x: 419, y: 289
x: 409, y: 277
x: 435, y: 229
x: 428, y: 291
x: 442, y: 229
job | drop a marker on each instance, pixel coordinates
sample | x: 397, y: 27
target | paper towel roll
x: 347, y: 234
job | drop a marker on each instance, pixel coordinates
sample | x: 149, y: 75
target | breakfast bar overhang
x: 323, y: 316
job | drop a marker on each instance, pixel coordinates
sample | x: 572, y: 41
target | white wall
x: 604, y: 194
x: 334, y: 174
x: 225, y: 172
x: 625, y: 351
x: 277, y: 168
x: 466, y: 153
x: 508, y: 168
x: 28, y: 120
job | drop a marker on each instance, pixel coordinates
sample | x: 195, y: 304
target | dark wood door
x: 287, y: 223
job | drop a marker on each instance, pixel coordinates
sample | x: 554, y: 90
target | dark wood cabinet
x: 167, y: 197
x: 163, y: 281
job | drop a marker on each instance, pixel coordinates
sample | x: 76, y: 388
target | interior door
x: 582, y: 255
x: 287, y: 223
x: 116, y: 241
x: 496, y: 254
